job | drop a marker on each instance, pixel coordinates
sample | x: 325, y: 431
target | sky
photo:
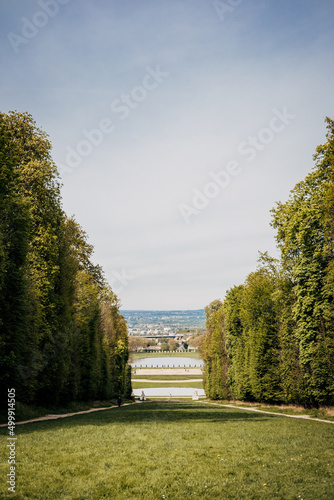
x: 176, y: 126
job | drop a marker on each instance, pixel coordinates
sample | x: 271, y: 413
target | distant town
x: 164, y: 330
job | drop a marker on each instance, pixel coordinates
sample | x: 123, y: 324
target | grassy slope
x: 179, y: 450
x: 154, y: 381
x: 25, y: 412
x: 321, y: 413
x: 145, y: 385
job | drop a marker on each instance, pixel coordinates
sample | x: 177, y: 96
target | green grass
x: 172, y: 450
x: 311, y: 412
x: 145, y: 385
x: 25, y: 412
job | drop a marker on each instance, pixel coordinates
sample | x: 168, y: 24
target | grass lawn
x: 173, y: 451
x: 321, y: 413
x: 145, y: 385
x: 25, y: 412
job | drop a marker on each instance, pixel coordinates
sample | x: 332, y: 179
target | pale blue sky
x: 224, y: 82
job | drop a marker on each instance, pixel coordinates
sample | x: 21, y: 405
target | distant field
x: 174, y: 451
x: 145, y: 385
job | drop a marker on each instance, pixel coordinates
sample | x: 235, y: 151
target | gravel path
x: 307, y: 417
x: 63, y: 415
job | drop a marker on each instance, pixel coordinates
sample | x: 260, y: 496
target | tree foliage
x: 136, y: 342
x: 214, y: 352
x: 276, y: 331
x: 62, y: 336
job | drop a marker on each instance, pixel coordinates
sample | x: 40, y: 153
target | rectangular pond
x: 169, y: 392
x: 167, y: 361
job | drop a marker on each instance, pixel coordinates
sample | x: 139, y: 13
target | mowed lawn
x: 173, y: 450
x: 154, y: 383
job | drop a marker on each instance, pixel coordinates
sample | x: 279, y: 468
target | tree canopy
x: 62, y: 337
x: 272, y: 338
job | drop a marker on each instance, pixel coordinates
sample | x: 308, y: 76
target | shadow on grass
x: 149, y: 412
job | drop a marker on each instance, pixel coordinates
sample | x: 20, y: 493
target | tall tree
x: 279, y: 325
x: 15, y: 230
x: 62, y: 336
x: 305, y: 237
x: 214, y: 352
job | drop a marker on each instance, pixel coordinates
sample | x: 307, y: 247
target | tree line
x: 62, y: 337
x: 272, y: 338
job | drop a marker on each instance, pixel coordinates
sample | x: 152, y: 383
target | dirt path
x: 63, y: 415
x: 307, y: 417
